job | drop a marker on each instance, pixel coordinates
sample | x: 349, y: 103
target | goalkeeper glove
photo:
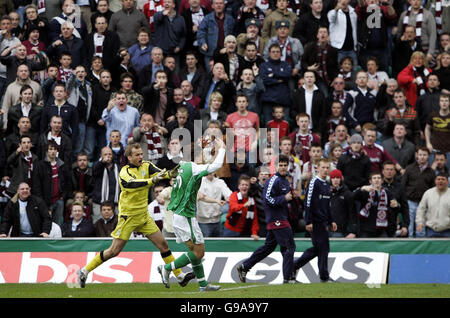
x: 159, y: 176
x: 174, y: 172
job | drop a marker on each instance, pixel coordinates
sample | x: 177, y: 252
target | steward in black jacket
x: 343, y: 210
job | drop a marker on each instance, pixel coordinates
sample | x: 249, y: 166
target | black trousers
x: 321, y: 248
x: 283, y: 237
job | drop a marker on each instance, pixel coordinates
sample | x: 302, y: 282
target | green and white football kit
x: 183, y: 204
x: 183, y: 201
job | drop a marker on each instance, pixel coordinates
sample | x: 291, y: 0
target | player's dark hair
x: 283, y: 158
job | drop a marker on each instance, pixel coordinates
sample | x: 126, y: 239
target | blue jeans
x: 57, y: 209
x: 431, y: 233
x: 210, y: 229
x: 79, y: 143
x: 412, y: 220
x: 86, y: 141
x: 90, y: 141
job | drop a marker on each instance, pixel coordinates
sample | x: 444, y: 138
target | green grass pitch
x: 250, y: 290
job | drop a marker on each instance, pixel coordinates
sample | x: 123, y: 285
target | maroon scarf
x: 322, y: 58
x: 382, y: 208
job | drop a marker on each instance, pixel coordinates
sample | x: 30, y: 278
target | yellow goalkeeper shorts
x: 127, y: 224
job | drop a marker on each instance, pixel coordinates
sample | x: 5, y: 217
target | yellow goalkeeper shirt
x: 134, y: 184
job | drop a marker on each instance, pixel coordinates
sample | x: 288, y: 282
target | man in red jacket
x: 242, y: 218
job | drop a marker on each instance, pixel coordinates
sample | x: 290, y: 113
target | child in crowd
x: 303, y: 138
x: 118, y: 150
x: 278, y: 122
x: 65, y: 71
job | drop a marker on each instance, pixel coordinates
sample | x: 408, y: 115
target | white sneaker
x: 164, y: 275
x: 209, y: 287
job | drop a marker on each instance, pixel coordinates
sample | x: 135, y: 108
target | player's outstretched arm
x: 216, y: 164
x: 129, y: 182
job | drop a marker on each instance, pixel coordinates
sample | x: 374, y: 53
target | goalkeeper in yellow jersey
x: 135, y: 180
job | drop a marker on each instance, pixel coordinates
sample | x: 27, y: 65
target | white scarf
x: 75, y: 31
x: 105, y: 185
x: 251, y: 208
x: 419, y: 20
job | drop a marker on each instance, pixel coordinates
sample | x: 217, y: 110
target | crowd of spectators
x: 365, y: 83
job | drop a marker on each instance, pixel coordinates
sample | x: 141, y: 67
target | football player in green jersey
x: 185, y: 226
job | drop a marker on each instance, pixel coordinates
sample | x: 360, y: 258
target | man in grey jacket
x: 424, y: 21
x: 126, y: 23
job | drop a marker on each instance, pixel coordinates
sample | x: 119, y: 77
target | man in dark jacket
x: 301, y: 102
x: 418, y: 178
x: 195, y: 74
x: 191, y: 27
x: 106, y: 185
x: 36, y: 220
x: 67, y: 42
x: 77, y: 226
x: 220, y: 82
x: 373, y: 35
x: 105, y: 225
x: 103, y: 43
x: 15, y: 113
x: 13, y: 139
x: 376, y: 214
x: 428, y: 102
x: 342, y: 207
x: 276, y: 195
x: 147, y: 75
x: 12, y: 62
x: 321, y: 58
x: 309, y: 23
x: 400, y: 207
x: 170, y: 29
x: 256, y: 192
x: 52, y: 182
x: 55, y: 133
x: 275, y: 75
x: 82, y: 175
x: 68, y: 14
x: 61, y: 107
x: 319, y: 221
x: 361, y: 102
x: 20, y: 165
x: 354, y: 164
